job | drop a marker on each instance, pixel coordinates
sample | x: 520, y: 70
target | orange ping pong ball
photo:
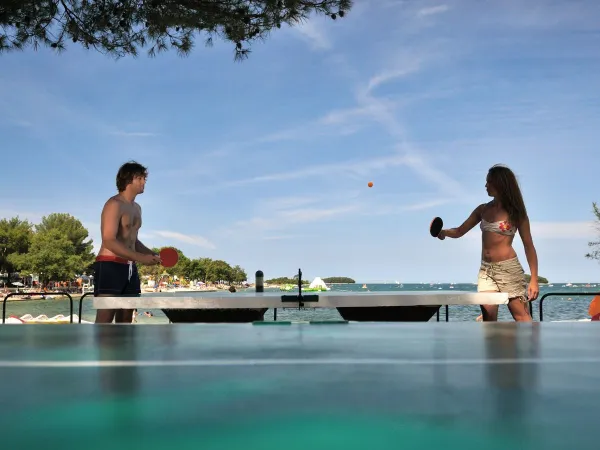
x: 370, y: 184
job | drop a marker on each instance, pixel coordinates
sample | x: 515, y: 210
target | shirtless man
x: 116, y: 272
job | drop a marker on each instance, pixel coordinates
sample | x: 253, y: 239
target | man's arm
x: 141, y: 248
x: 466, y: 226
x: 111, y: 216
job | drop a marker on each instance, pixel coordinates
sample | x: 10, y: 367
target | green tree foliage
x: 219, y: 271
x: 595, y: 245
x: 52, y: 255
x: 541, y: 280
x: 60, y: 249
x: 286, y: 280
x: 74, y: 231
x: 339, y: 280
x: 123, y: 27
x: 238, y: 274
x: 294, y: 280
x: 15, y: 239
x: 201, y: 269
x: 197, y: 269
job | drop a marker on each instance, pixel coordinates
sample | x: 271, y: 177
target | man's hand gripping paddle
x: 436, y: 226
x: 168, y: 257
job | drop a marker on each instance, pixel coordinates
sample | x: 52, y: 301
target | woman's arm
x: 532, y: 260
x: 466, y: 226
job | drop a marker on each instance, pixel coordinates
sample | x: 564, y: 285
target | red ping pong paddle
x: 436, y: 226
x: 168, y: 257
x: 594, y: 308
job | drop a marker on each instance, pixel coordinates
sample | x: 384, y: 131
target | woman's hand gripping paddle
x: 168, y: 257
x: 436, y: 226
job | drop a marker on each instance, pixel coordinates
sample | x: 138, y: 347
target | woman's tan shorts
x: 504, y: 276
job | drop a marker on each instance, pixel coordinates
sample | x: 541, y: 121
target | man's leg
x: 105, y: 315
x: 108, y: 282
x: 133, y: 289
x: 124, y: 316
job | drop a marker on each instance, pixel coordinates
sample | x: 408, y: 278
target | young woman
x: 500, y: 269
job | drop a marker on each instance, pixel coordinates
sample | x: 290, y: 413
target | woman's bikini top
x: 501, y: 227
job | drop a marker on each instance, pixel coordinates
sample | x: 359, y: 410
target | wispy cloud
x: 153, y: 237
x: 283, y: 237
x: 313, y: 34
x: 45, y: 108
x: 563, y: 230
x: 391, y: 209
x: 284, y: 213
x: 21, y: 123
x: 122, y: 133
x: 186, y: 238
x: 390, y: 75
x: 433, y: 10
x: 411, y: 155
x: 277, y: 203
x: 340, y: 122
x: 353, y: 168
x: 284, y: 219
x: 31, y: 216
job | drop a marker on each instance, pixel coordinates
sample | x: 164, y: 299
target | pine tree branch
x: 123, y: 27
x: 595, y: 245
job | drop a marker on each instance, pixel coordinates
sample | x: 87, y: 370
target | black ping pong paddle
x: 436, y: 226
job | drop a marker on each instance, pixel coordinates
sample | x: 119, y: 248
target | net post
x: 259, y: 281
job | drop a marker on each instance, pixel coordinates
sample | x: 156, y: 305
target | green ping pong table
x: 301, y: 386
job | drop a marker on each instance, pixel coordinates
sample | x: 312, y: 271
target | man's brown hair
x: 127, y: 172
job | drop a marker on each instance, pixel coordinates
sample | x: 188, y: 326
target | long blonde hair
x: 508, y: 191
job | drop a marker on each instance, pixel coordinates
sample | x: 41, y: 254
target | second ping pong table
x: 224, y: 306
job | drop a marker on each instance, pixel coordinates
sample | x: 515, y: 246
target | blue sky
x: 265, y: 163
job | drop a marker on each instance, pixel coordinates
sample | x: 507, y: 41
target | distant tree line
x: 59, y: 249
x: 201, y: 269
x: 540, y: 279
x: 286, y: 280
x: 344, y: 280
x: 294, y: 280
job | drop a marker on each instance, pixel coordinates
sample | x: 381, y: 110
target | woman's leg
x: 518, y: 309
x: 511, y: 279
x: 485, y: 283
x: 489, y: 313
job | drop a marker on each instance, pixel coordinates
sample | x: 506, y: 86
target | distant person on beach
x: 115, y: 268
x: 500, y: 269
